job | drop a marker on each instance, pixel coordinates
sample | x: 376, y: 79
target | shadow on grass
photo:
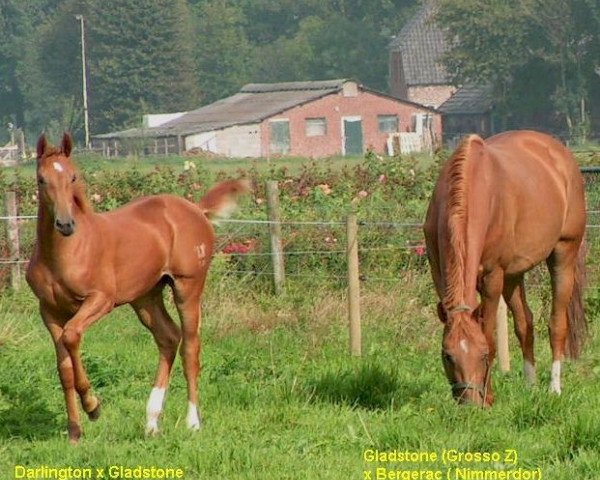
x: 27, y: 415
x: 368, y: 386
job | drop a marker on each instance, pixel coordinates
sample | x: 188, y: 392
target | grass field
x: 280, y: 395
x: 282, y: 399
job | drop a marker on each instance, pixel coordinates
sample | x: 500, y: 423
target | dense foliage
x: 542, y: 58
x: 385, y: 193
x: 148, y: 56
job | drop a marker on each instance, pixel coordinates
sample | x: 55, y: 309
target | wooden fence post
x: 353, y: 287
x: 502, y: 337
x: 274, y: 215
x: 12, y: 234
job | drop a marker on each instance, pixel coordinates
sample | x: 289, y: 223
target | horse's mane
x: 81, y: 197
x: 457, y: 211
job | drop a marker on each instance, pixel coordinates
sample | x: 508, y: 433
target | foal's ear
x: 66, y: 145
x: 442, y: 313
x: 42, y: 145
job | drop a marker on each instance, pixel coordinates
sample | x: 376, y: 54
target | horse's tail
x: 575, y: 311
x: 221, y: 200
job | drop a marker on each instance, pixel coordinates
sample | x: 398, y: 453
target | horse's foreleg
x: 514, y: 294
x: 65, y: 371
x: 492, y: 285
x: 152, y: 313
x: 92, y: 309
x: 187, y: 300
x: 561, y: 265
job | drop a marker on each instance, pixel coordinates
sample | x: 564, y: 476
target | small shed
x: 311, y: 119
x: 469, y: 110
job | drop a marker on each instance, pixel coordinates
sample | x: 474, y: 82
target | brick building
x: 415, y: 69
x: 312, y: 119
x: 416, y: 73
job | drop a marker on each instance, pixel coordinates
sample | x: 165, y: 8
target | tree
x: 223, y: 52
x: 539, y: 55
x: 17, y: 24
x: 334, y: 47
x: 141, y: 58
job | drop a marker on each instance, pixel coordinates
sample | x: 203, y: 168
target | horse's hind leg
x: 514, y: 294
x: 187, y: 299
x: 152, y: 313
x: 561, y: 264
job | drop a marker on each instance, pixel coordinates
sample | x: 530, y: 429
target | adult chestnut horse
x: 85, y: 264
x: 500, y: 207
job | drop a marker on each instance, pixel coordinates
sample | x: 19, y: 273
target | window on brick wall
x: 388, y: 123
x: 315, y: 127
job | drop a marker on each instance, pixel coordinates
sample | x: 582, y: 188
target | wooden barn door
x: 280, y: 137
x: 353, y: 136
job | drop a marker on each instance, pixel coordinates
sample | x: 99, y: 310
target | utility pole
x: 86, y: 120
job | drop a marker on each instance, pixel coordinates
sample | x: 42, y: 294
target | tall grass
x: 281, y: 396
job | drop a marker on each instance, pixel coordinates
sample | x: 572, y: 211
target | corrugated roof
x: 469, y: 100
x: 422, y: 45
x: 290, y: 86
x: 254, y: 103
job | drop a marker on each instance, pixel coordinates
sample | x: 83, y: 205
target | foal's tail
x: 575, y: 311
x: 221, y: 200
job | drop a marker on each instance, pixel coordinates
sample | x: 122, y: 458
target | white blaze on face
x: 58, y: 167
x: 154, y: 408
x: 464, y: 346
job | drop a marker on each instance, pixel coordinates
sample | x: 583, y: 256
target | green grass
x: 281, y: 397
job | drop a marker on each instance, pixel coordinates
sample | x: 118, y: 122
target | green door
x: 353, y: 137
x: 280, y: 137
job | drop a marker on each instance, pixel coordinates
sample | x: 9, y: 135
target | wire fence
x: 317, y: 248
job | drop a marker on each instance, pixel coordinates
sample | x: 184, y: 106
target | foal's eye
x: 41, y: 181
x: 447, y: 357
x: 73, y: 178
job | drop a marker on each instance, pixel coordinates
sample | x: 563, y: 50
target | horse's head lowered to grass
x: 465, y: 355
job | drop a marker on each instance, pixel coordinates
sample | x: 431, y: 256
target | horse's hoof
x: 74, y: 433
x: 195, y: 426
x: 152, y: 431
x: 95, y: 413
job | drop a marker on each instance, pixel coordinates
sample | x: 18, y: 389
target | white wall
x: 238, y: 141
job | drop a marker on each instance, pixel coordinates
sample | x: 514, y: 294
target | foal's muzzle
x: 65, y: 228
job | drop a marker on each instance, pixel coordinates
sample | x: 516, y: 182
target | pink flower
x: 382, y: 178
x: 96, y: 197
x: 240, y: 248
x: 420, y: 250
x: 363, y: 193
x: 236, y: 248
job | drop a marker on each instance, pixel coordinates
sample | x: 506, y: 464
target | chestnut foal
x: 85, y: 264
